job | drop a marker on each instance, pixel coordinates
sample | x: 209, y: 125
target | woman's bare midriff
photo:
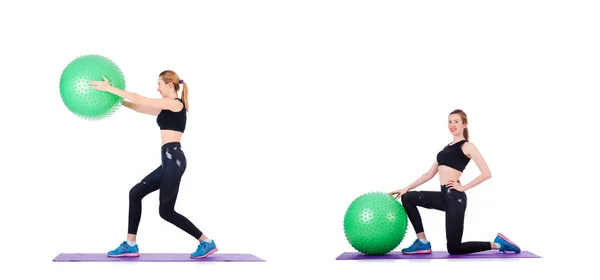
x: 170, y: 136
x: 447, y: 174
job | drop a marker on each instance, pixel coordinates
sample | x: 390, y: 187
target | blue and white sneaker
x: 124, y: 250
x: 418, y: 247
x: 205, y: 249
x: 506, y: 244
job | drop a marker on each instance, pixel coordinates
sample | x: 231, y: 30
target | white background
x: 297, y: 108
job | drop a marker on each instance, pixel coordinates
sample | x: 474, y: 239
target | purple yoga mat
x: 437, y: 255
x: 156, y: 257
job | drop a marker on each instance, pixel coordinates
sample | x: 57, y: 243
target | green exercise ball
x: 375, y: 223
x: 79, y: 98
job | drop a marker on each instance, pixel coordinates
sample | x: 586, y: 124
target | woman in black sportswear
x: 171, y: 117
x: 452, y: 199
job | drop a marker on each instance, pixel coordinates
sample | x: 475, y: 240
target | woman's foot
x: 506, y: 244
x: 125, y: 250
x: 418, y: 247
x: 205, y: 249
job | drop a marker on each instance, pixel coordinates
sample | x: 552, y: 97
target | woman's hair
x: 169, y: 76
x: 463, y: 117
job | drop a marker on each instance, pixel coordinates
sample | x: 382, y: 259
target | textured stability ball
x: 375, y: 223
x: 76, y: 93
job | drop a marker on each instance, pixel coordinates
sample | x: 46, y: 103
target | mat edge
x: 256, y: 258
x: 365, y: 257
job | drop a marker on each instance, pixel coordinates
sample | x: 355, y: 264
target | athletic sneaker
x: 204, y: 250
x: 124, y: 250
x: 418, y: 247
x: 506, y: 244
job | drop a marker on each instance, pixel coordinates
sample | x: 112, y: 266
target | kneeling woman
x: 451, y: 162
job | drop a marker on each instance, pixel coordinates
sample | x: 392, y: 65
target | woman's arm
x: 141, y: 109
x: 471, y: 151
x: 161, y: 104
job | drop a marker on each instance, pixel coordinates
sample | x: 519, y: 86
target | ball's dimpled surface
x: 375, y: 223
x: 79, y: 98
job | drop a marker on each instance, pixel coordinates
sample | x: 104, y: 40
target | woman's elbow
x: 138, y: 100
x: 135, y: 98
x: 487, y: 175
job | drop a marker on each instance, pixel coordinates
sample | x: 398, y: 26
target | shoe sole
x: 509, y: 241
x: 137, y: 255
x: 418, y: 252
x: 124, y: 255
x: 206, y: 255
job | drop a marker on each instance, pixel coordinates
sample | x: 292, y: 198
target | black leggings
x: 454, y: 203
x: 165, y: 178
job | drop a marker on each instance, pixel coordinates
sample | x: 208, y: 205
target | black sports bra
x: 453, y: 156
x: 169, y: 120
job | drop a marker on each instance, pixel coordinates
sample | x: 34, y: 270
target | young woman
x: 451, y: 162
x: 171, y: 112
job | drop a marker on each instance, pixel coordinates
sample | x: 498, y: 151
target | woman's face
x: 455, y: 125
x: 163, y: 88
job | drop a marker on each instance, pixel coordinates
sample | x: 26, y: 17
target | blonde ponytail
x: 184, y: 96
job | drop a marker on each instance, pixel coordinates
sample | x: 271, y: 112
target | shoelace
x: 124, y: 246
x: 416, y: 244
x: 203, y: 245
